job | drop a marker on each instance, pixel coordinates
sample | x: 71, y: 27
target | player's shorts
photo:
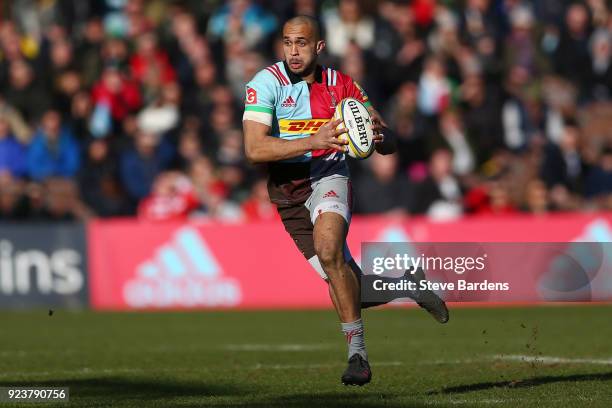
x: 329, y: 194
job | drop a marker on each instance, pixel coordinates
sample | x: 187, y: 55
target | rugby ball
x: 357, y: 121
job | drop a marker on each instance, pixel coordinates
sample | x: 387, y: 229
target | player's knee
x: 330, y: 255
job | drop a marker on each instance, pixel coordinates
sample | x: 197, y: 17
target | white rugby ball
x: 357, y: 121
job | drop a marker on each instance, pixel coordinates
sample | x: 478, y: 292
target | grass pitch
x: 504, y: 357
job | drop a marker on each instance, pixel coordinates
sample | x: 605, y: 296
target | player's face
x: 301, y: 48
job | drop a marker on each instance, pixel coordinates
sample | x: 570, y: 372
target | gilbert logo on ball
x: 357, y: 121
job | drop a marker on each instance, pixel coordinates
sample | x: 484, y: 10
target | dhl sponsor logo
x: 299, y: 126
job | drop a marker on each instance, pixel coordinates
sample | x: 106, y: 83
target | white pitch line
x: 476, y: 401
x: 315, y: 365
x: 27, y: 353
x: 553, y: 360
x: 277, y: 347
x: 84, y: 370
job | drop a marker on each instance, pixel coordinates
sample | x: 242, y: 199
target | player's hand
x: 327, y: 137
x: 378, y: 138
x: 378, y: 125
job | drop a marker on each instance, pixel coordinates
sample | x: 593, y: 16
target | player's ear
x: 320, y: 46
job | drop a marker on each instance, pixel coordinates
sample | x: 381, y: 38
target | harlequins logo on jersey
x: 251, y: 96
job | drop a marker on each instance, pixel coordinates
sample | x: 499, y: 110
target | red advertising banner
x: 136, y: 265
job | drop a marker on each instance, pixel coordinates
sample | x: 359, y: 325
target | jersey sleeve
x: 260, y: 99
x: 354, y: 90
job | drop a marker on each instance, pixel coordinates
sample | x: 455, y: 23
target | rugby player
x: 287, y: 124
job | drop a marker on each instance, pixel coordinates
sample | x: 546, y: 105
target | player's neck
x: 309, y: 76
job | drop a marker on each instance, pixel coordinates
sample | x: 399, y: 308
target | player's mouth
x: 295, y: 64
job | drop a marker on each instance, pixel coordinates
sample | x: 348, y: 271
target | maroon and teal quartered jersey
x: 295, y: 109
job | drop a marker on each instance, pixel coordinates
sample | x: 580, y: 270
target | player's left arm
x: 385, y: 138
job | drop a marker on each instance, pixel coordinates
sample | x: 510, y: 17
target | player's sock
x: 355, y: 339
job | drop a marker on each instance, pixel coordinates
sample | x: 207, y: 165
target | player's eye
x: 301, y: 43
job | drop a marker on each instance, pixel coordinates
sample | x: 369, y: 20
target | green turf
x: 294, y: 359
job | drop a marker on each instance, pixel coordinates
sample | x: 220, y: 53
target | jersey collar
x: 297, y: 79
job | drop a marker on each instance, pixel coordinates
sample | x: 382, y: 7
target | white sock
x: 355, y: 338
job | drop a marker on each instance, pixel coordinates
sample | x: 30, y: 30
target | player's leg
x: 355, y: 269
x: 329, y: 234
x: 297, y: 220
x: 330, y: 212
x: 426, y: 299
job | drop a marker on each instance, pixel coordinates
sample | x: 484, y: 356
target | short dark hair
x: 308, y: 20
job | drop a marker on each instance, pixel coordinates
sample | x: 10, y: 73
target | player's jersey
x: 295, y: 109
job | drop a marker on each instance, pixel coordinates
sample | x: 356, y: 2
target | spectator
x: 347, y: 24
x: 163, y: 114
x: 482, y: 117
x: 562, y: 164
x: 599, y: 180
x: 434, y: 88
x: 24, y: 93
x: 54, y: 151
x: 80, y: 114
x: 392, y: 191
x: 61, y: 201
x: 242, y: 20
x: 536, y: 199
x: 172, y: 198
x: 116, y: 91
x: 571, y: 58
x: 600, y: 76
x: 99, y: 181
x: 150, y: 65
x: 140, y: 165
x: 13, y: 154
x: 199, y: 97
x: 521, y: 49
x: 490, y: 198
x: 258, y: 206
x: 189, y: 149
x: 234, y: 178
x: 439, y: 196
x: 231, y: 150
x: 89, y: 51
x: 464, y: 160
x: 13, y: 202
x: 479, y: 20
x: 401, y: 115
x: 18, y: 127
x: 206, y: 181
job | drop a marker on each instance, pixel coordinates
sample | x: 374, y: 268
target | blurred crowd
x: 133, y: 107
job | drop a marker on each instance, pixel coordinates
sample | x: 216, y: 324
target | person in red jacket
x: 117, y: 92
x: 258, y: 206
x: 172, y: 198
x: 150, y: 65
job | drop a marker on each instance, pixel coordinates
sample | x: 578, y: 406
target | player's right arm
x: 259, y: 144
x: 260, y: 147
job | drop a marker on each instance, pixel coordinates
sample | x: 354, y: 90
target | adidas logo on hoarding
x: 289, y: 103
x: 182, y: 273
x: 598, y: 230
